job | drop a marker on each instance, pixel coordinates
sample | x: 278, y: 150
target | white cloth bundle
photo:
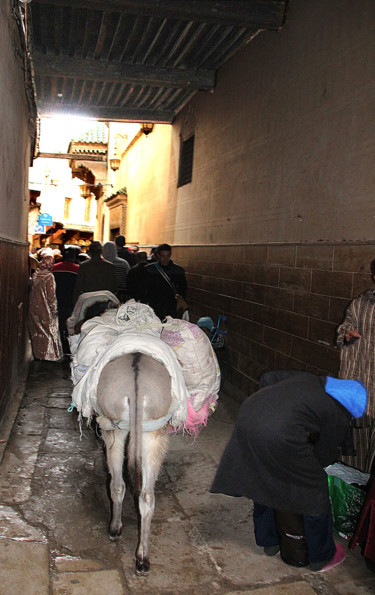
x: 181, y: 346
x: 197, y: 358
x: 131, y: 328
x: 86, y: 300
x: 84, y: 392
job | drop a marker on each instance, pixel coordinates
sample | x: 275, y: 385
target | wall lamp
x: 85, y: 191
x: 147, y: 127
x: 114, y: 164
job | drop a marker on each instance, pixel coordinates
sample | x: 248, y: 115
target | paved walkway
x: 54, y: 512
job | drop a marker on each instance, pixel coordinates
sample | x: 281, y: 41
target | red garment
x: 66, y: 265
x: 365, y: 533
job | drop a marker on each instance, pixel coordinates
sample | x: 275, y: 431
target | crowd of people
x: 59, y: 278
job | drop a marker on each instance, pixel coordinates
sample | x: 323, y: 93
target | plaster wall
x: 14, y: 134
x: 150, y: 176
x: 285, y: 146
x: 275, y: 231
x: 14, y: 204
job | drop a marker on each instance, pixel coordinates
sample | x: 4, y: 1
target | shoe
x: 271, y: 550
x: 339, y: 557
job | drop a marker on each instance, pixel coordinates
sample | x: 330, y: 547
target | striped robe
x: 357, y: 362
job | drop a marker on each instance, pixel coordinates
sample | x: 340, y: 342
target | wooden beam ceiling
x: 233, y: 13
x: 89, y: 69
x: 115, y: 114
x: 136, y: 60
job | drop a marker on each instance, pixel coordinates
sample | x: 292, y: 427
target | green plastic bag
x: 346, y: 499
x: 346, y: 504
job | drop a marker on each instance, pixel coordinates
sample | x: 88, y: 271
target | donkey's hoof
x: 142, y: 567
x: 114, y: 535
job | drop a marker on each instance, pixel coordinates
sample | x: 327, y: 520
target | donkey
x: 134, y: 399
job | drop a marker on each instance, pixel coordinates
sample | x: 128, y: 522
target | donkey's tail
x: 135, y: 434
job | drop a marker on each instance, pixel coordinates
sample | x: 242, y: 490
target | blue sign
x: 40, y: 228
x: 45, y: 219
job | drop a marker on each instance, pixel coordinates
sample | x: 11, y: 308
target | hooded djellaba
x: 122, y: 268
x: 42, y: 319
x: 270, y: 457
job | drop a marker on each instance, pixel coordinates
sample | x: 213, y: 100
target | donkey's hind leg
x: 114, y: 442
x: 155, y: 445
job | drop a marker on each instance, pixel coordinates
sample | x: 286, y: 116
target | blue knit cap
x: 350, y: 393
x: 206, y: 322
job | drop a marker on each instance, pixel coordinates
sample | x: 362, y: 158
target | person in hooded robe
x: 42, y: 318
x: 122, y: 268
x: 284, y: 436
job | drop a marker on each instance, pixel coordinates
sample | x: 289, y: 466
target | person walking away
x: 356, y: 340
x: 42, y: 317
x: 82, y: 257
x: 136, y: 282
x: 152, y: 256
x: 164, y: 279
x: 95, y: 273
x: 140, y: 255
x: 57, y: 255
x: 284, y: 436
x: 123, y: 252
x: 65, y: 274
x: 122, y: 268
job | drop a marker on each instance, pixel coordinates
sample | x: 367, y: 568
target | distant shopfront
x: 57, y: 235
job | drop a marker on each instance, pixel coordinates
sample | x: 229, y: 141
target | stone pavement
x: 54, y: 511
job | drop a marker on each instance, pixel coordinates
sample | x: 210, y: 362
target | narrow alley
x: 54, y: 512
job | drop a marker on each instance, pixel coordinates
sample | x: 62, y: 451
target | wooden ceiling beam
x: 113, y: 114
x: 96, y: 70
x: 75, y: 156
x: 268, y: 14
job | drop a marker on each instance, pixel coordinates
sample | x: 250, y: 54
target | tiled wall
x: 283, y: 302
x: 13, y: 305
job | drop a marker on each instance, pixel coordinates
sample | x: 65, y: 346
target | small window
x: 185, y: 170
x: 67, y: 208
x: 87, y: 209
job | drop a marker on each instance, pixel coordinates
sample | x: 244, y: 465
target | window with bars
x: 185, y: 169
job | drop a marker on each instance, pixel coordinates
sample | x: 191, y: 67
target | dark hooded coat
x: 269, y: 457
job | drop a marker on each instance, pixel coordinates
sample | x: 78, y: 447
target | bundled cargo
x: 181, y: 346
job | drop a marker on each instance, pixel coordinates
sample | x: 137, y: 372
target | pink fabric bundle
x: 196, y: 419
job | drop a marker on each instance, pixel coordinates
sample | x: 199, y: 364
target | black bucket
x: 293, y: 547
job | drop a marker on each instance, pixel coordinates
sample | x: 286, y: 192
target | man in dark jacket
x: 65, y: 274
x: 163, y: 279
x: 95, y: 274
x: 285, y: 434
x: 124, y: 252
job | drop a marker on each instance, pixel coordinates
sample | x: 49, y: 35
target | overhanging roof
x: 137, y: 60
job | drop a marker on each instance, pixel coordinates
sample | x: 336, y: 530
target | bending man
x: 285, y: 434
